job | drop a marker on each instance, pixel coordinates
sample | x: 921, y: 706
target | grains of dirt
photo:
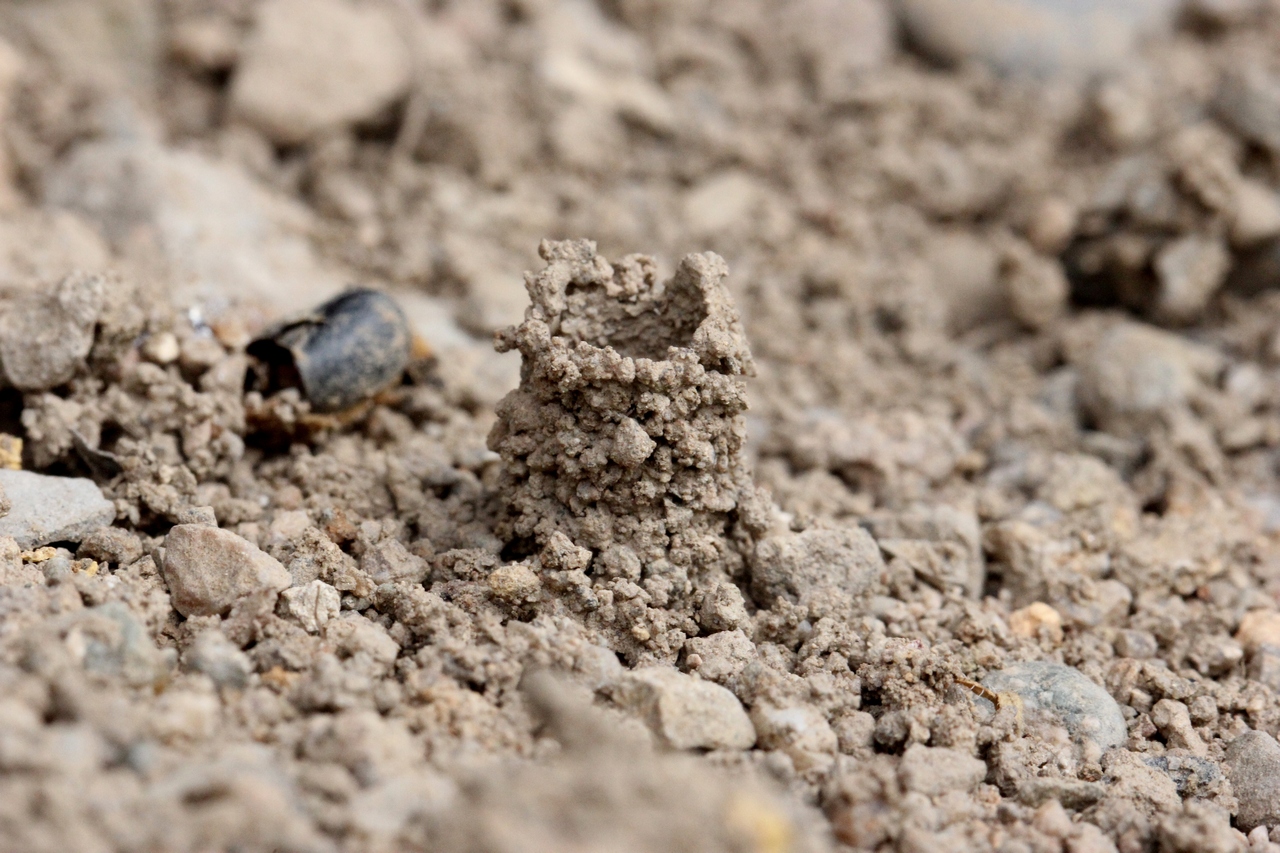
x: 932, y: 374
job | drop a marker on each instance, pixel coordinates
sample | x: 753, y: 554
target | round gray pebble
x: 1253, y: 766
x: 1086, y: 709
x: 1034, y: 37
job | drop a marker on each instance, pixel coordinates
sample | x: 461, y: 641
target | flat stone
x: 1253, y: 766
x: 313, y: 65
x: 52, y: 509
x: 1086, y: 709
x: 209, y: 569
x: 1034, y: 38
x: 686, y: 712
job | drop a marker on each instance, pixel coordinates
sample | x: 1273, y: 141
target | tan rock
x: 1037, y: 287
x: 721, y: 655
x: 45, y: 338
x: 1190, y: 270
x: 314, y: 65
x: 1259, y: 628
x: 1256, y: 214
x: 686, y: 712
x: 1034, y: 618
x: 515, y: 583
x: 208, y: 569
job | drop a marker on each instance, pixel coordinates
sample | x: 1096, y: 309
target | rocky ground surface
x: 938, y: 510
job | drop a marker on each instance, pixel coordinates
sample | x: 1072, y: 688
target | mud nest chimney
x: 625, y: 436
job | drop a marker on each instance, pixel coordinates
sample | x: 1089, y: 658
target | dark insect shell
x: 339, y: 354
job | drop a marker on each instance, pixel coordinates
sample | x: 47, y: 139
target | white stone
x: 313, y: 605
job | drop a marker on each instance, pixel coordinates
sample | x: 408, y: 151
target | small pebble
x: 1086, y: 709
x: 722, y: 655
x: 113, y: 545
x: 52, y: 509
x: 312, y: 605
x: 1190, y: 271
x: 10, y: 452
x: 162, y: 348
x: 1259, y: 628
x: 217, y: 657
x: 1253, y: 767
x: 1037, y: 616
x: 1136, y: 370
x: 515, y: 583
x: 1140, y: 645
x: 208, y: 569
x: 685, y: 712
x: 802, y: 731
x: 57, y: 570
x: 797, y: 566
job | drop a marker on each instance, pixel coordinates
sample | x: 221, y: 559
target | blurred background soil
x: 1008, y: 273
